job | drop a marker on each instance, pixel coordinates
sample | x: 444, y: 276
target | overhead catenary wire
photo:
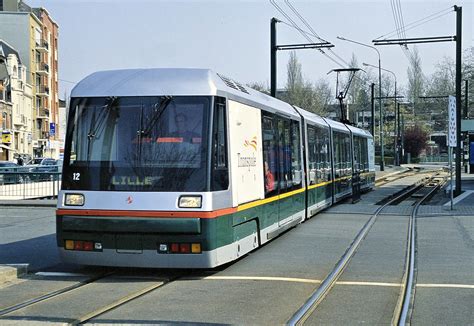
x: 305, y: 22
x: 419, y: 22
x: 296, y: 12
x: 307, y: 35
x: 395, y: 18
x: 401, y: 18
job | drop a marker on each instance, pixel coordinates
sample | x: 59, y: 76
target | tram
x: 186, y: 168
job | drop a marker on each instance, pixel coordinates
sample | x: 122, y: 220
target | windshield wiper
x: 165, y: 101
x: 97, y: 124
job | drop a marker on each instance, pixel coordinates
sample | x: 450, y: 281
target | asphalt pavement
x: 271, y: 283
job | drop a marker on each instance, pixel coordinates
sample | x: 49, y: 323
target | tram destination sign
x: 452, y: 121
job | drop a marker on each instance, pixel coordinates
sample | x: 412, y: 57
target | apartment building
x: 16, y: 94
x: 34, y: 34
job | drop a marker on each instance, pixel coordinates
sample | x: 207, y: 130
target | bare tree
x: 416, y: 79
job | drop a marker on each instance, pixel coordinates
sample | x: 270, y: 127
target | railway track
x: 16, y: 311
x: 401, y: 314
x: 53, y: 294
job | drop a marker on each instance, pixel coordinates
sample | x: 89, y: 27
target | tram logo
x: 129, y: 200
x: 252, y: 143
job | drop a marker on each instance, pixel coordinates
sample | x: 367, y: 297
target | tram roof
x: 359, y: 132
x: 336, y: 125
x: 174, y: 82
x: 311, y: 117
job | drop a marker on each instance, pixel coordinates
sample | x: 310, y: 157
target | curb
x: 30, y: 203
x: 11, y: 272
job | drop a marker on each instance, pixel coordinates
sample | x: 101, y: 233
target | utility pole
x: 466, y: 99
x: 459, y: 149
x: 372, y: 101
x: 273, y: 56
x: 382, y: 159
x: 274, y: 48
x: 457, y: 38
x: 398, y: 142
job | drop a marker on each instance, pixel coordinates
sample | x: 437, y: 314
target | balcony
x: 20, y: 121
x: 42, y: 69
x: 42, y: 46
x: 42, y: 91
x: 42, y: 135
x: 43, y: 113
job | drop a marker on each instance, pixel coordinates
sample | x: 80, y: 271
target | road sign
x: 52, y: 129
x: 452, y: 121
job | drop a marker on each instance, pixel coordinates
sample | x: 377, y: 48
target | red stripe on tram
x: 151, y: 214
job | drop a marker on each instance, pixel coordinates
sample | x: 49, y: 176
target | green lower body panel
x: 225, y: 237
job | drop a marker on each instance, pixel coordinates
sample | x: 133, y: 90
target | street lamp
x: 382, y: 164
x: 397, y: 160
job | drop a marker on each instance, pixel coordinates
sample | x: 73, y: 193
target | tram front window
x: 137, y: 144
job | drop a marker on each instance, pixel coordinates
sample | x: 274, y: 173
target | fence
x: 29, y: 185
x: 434, y: 159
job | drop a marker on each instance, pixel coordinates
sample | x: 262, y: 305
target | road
x: 267, y: 286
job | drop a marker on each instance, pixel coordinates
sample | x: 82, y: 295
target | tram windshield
x: 137, y: 144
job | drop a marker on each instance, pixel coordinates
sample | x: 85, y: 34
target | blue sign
x: 52, y: 129
x: 471, y: 153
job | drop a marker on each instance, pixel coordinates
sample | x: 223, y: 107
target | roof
x: 6, y: 50
x: 311, y: 117
x: 359, y: 132
x: 336, y: 125
x: 174, y: 82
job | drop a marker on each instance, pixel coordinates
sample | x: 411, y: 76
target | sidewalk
x: 9, y: 273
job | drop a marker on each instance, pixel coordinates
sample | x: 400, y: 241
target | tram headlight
x: 190, y: 202
x: 74, y: 200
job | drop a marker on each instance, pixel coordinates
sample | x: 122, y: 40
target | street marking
x: 312, y: 281
x: 60, y: 274
x: 369, y: 283
x: 262, y: 278
x: 281, y: 279
x: 452, y: 286
x: 460, y: 197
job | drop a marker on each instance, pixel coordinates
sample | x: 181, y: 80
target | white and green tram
x: 185, y: 168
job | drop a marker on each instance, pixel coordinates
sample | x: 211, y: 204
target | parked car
x: 41, y: 164
x: 11, y: 172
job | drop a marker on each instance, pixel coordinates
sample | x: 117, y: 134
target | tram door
x: 283, y: 166
x: 271, y: 167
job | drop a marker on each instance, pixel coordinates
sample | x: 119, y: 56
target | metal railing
x: 29, y: 185
x: 434, y: 159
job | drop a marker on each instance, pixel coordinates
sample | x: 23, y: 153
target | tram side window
x: 348, y: 155
x: 220, y: 173
x: 364, y: 155
x: 270, y: 163
x: 284, y: 154
x: 357, y: 157
x: 312, y: 155
x: 296, y: 166
x: 323, y: 163
x: 337, y: 154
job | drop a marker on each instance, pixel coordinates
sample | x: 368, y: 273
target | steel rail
x: 122, y: 301
x: 401, y: 311
x: 304, y: 312
x: 53, y: 294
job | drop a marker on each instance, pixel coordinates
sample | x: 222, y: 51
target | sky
x: 232, y: 37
